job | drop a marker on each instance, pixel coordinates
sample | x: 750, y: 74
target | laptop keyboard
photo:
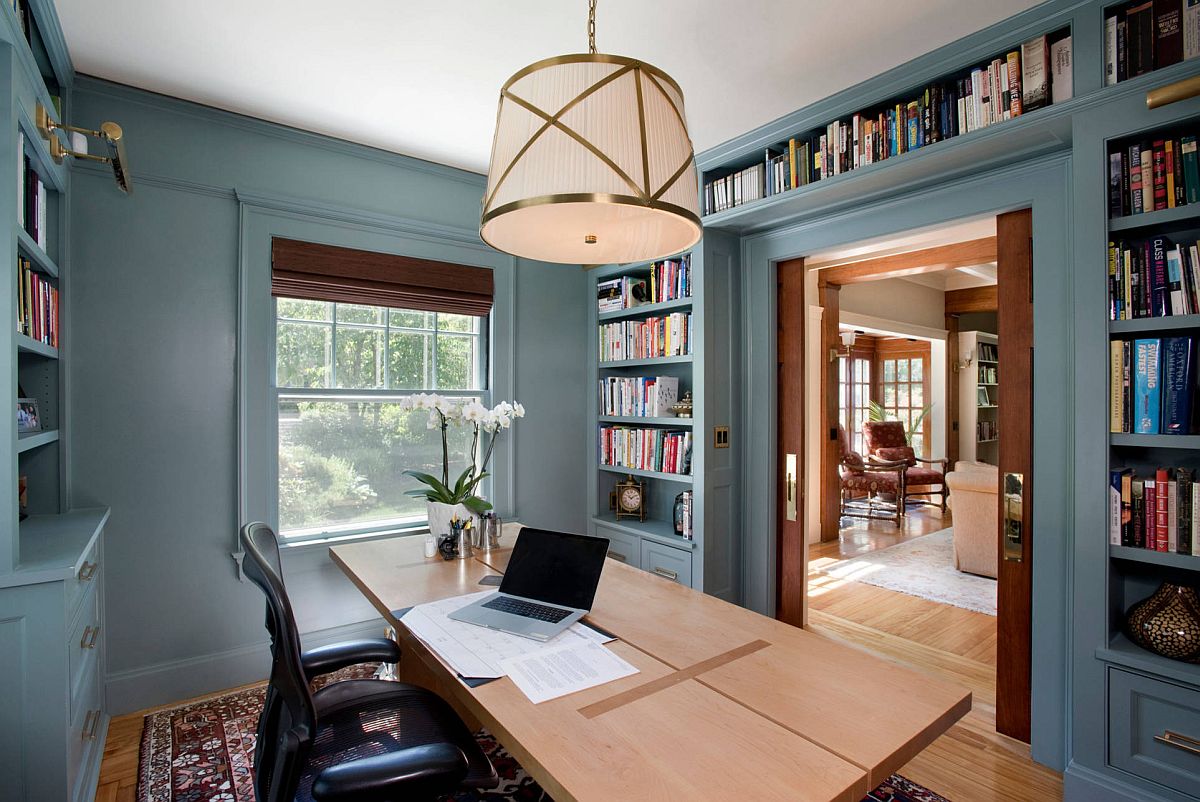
x: 539, y: 612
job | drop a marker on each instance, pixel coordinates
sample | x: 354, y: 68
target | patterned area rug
x: 923, y: 566
x: 203, y: 751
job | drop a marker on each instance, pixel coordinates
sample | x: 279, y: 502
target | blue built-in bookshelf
x: 709, y: 559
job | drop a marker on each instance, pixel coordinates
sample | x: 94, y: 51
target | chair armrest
x: 943, y: 462
x: 875, y: 463
x: 420, y: 772
x: 327, y: 659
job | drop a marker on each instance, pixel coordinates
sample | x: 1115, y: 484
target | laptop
x: 550, y: 584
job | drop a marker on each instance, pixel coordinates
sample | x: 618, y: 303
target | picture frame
x: 29, y: 418
x: 984, y: 401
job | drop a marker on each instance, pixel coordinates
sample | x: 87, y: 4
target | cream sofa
x: 974, y: 487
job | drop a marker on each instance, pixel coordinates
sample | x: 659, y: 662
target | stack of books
x: 1159, y: 512
x: 1152, y: 385
x: 638, y: 396
x: 988, y: 352
x: 1034, y: 75
x: 1144, y: 35
x: 669, y: 335
x: 986, y: 431
x: 37, y: 304
x: 1153, y: 174
x: 684, y: 524
x: 668, y: 280
x: 1153, y: 277
x: 657, y: 450
x: 31, y: 197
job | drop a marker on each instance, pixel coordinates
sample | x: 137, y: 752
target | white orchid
x: 518, y: 410
x: 474, y: 412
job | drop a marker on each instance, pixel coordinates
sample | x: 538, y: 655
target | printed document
x: 561, y: 670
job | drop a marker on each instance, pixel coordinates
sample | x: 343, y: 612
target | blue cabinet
x: 1154, y: 730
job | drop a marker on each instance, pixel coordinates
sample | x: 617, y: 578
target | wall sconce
x: 968, y: 357
x: 848, y: 338
x: 109, y: 133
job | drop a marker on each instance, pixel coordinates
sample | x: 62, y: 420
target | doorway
x: 878, y: 348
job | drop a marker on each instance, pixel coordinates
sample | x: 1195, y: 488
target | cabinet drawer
x: 622, y: 547
x: 669, y: 563
x: 85, y: 724
x: 82, y: 645
x: 83, y: 581
x: 1154, y: 730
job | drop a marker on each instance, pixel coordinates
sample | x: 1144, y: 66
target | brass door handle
x: 91, y: 735
x: 790, y: 469
x: 617, y: 556
x: 1178, y: 741
x: 88, y: 641
x: 87, y: 724
x: 1013, y: 499
x: 87, y: 571
x: 664, y: 572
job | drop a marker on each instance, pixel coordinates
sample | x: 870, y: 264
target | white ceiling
x: 422, y: 77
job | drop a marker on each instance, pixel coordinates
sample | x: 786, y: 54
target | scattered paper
x: 474, y: 651
x: 561, y: 670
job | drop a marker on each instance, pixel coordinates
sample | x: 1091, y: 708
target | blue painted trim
x: 1082, y: 784
x: 50, y: 28
x: 92, y: 170
x: 210, y: 114
x: 167, y: 682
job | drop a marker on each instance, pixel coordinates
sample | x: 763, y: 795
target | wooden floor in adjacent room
x: 971, y: 762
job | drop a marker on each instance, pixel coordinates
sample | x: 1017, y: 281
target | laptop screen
x: 555, y: 567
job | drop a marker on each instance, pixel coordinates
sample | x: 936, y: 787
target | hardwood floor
x: 971, y: 762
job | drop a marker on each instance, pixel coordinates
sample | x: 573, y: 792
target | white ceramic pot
x: 440, y: 515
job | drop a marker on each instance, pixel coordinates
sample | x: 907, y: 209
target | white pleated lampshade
x: 591, y: 164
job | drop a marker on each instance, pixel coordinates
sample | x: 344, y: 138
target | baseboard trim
x: 1082, y: 784
x: 163, y: 683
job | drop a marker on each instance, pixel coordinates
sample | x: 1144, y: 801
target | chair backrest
x: 886, y: 440
x: 851, y: 461
x: 288, y: 722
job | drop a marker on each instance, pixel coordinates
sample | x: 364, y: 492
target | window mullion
x: 333, y: 332
x: 433, y: 377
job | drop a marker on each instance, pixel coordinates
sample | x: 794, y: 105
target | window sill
x: 314, y: 545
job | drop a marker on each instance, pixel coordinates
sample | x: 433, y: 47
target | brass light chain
x: 592, y: 26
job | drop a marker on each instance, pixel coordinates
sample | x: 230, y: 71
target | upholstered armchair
x: 887, y: 443
x: 869, y: 480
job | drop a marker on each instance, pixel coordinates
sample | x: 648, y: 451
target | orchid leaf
x: 476, y: 505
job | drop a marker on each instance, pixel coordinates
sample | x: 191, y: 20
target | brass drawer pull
x: 91, y: 736
x: 88, y: 641
x: 671, y: 575
x: 1178, y: 741
x: 617, y: 556
x: 87, y: 571
x: 87, y: 723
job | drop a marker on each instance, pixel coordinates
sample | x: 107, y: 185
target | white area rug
x: 924, y: 567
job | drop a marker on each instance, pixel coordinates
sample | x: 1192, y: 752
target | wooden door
x: 792, y: 547
x: 1014, y: 268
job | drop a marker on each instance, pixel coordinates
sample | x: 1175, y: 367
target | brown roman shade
x: 328, y: 273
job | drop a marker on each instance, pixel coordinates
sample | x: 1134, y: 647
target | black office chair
x: 365, y: 740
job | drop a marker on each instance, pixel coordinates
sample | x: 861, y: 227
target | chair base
x: 872, y: 508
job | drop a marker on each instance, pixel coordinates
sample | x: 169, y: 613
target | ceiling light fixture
x: 591, y: 162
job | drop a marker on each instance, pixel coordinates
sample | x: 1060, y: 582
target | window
x: 854, y: 395
x: 903, y: 389
x: 344, y: 444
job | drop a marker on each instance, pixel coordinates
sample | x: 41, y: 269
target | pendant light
x: 591, y: 163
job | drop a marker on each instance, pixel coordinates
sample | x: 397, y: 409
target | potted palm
x: 445, y: 499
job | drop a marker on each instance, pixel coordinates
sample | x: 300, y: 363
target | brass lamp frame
x: 109, y: 132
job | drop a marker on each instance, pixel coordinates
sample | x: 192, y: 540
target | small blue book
x: 1178, y: 379
x: 1147, y: 396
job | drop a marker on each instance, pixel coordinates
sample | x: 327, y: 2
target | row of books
x: 31, y: 196
x: 1034, y: 75
x: 1153, y: 174
x: 638, y: 396
x: 683, y: 515
x: 668, y: 280
x: 654, y: 337
x: 1160, y: 512
x: 986, y: 431
x: 989, y: 374
x: 989, y: 352
x: 1146, y: 35
x: 37, y: 304
x: 1152, y: 386
x: 658, y: 450
x: 1153, y: 278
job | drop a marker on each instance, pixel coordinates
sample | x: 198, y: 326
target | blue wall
x: 153, y: 374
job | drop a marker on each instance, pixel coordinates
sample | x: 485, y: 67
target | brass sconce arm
x: 109, y: 133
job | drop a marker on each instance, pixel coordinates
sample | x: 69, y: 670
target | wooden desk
x: 728, y: 704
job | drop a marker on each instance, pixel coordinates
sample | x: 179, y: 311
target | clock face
x: 631, y: 499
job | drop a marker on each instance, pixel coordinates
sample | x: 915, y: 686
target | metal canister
x: 488, y: 537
